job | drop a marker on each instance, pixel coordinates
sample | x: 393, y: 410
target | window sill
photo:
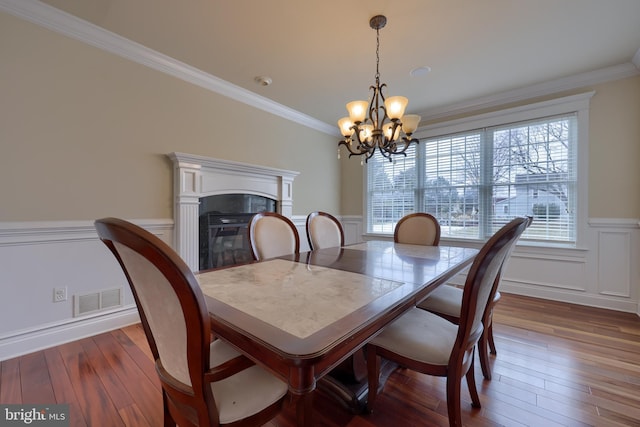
x: 524, y: 246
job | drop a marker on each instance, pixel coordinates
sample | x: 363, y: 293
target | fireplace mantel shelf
x: 196, y: 161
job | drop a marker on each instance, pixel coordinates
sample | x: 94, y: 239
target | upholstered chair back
x: 163, y: 312
x: 324, y: 231
x: 417, y: 229
x: 272, y: 235
x: 484, y: 275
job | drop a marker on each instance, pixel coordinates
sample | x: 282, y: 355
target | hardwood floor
x: 557, y: 365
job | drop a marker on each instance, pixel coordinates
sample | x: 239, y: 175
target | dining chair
x: 204, y: 382
x: 446, y: 301
x: 427, y: 343
x: 272, y: 235
x: 419, y: 228
x: 324, y: 231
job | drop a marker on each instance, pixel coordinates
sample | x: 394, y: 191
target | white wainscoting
x: 36, y: 257
x: 604, y: 273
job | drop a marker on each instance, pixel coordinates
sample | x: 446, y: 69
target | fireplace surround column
x: 198, y: 176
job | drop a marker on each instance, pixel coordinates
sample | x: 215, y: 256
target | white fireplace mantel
x: 198, y: 176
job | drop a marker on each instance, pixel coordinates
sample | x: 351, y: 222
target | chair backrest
x: 418, y: 228
x: 324, y: 231
x: 482, y: 281
x: 174, y: 316
x: 272, y: 235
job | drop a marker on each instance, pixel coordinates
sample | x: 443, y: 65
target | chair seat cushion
x: 419, y: 335
x: 245, y: 393
x: 446, y: 300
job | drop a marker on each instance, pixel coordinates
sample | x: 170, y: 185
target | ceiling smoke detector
x: 263, y: 80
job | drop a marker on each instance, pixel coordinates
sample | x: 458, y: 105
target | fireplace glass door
x: 223, y: 227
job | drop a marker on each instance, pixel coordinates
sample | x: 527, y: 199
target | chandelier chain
x: 377, y: 55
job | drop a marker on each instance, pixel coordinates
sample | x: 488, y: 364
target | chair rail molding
x: 197, y: 176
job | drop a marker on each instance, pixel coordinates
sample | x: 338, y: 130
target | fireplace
x: 222, y: 227
x: 197, y: 177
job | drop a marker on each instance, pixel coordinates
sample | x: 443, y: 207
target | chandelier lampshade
x: 357, y: 110
x: 395, y: 106
x: 380, y: 123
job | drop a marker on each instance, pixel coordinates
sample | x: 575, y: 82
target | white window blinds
x: 476, y: 181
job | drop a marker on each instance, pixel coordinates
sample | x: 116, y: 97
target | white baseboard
x: 25, y: 342
x: 587, y: 299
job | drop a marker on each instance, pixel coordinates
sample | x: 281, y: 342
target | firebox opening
x: 223, y: 227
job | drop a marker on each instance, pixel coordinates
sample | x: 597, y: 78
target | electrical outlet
x: 60, y: 294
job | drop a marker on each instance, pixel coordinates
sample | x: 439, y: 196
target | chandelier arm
x: 347, y: 143
x: 409, y: 140
x: 374, y: 116
x: 373, y: 105
x: 385, y: 153
x: 396, y: 124
x: 369, y: 155
x: 361, y: 143
x: 383, y: 107
x: 407, y: 144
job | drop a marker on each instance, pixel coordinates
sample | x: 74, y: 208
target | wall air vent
x: 96, y: 301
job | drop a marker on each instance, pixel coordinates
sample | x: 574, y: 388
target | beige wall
x: 614, y: 154
x: 84, y: 134
x: 352, y: 184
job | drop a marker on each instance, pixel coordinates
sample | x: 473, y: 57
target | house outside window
x: 474, y: 175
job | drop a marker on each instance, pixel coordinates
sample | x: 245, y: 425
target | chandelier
x: 385, y: 127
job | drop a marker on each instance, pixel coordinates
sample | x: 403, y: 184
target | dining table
x: 304, y: 316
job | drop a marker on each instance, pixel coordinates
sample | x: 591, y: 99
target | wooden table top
x: 301, y: 306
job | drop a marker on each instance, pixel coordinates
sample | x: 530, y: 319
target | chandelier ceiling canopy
x: 380, y: 123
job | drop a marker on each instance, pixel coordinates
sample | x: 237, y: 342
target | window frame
x: 578, y: 104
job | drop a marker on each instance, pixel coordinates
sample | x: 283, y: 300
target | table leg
x: 302, y: 384
x: 304, y: 410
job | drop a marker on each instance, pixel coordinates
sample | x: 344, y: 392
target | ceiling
x: 321, y: 54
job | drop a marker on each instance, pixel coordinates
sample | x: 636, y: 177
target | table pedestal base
x: 348, y: 385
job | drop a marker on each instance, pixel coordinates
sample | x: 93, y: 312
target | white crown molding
x: 561, y: 105
x: 64, y: 23
x: 576, y: 81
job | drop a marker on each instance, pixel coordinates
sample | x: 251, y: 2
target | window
x: 475, y: 175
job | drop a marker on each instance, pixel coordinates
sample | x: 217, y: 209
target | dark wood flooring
x: 557, y: 365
